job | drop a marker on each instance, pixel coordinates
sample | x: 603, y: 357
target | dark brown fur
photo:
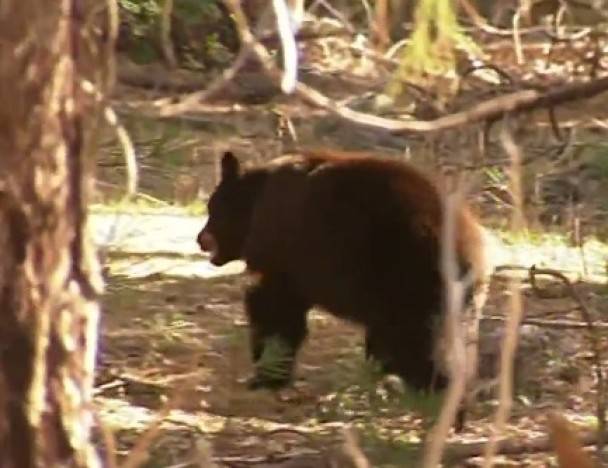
x: 357, y: 235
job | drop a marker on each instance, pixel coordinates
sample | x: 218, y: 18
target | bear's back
x: 418, y: 197
x: 354, y: 230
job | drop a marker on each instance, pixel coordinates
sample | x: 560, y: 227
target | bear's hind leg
x: 407, y: 354
x: 377, y: 353
x: 277, y: 318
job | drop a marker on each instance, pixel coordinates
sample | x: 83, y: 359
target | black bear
x: 357, y: 235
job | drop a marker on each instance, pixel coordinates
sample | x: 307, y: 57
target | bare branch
x: 140, y: 451
x: 113, y: 25
x: 167, y: 108
x: 380, y: 25
x: 165, y: 34
x: 455, y: 298
x: 121, y: 134
x: 509, y: 344
x: 351, y: 449
x: 519, y: 101
x: 288, y: 43
x: 563, y: 324
x: 338, y: 15
x: 512, y: 446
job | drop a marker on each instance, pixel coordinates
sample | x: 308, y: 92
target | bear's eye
x: 215, y: 203
x: 211, y: 205
x: 218, y: 203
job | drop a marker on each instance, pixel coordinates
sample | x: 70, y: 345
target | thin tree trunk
x: 49, y: 275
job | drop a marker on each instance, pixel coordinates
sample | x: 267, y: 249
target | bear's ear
x: 230, y: 166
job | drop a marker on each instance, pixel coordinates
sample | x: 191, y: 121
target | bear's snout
x: 206, y: 242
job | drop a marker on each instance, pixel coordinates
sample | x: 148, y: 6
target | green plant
x: 191, y: 11
x: 432, y: 48
x: 276, y: 360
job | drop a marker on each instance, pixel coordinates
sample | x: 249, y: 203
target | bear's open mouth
x: 215, y: 258
x: 208, y: 244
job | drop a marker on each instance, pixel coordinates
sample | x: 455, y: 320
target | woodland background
x: 114, y: 115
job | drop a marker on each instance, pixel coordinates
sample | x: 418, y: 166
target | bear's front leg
x: 277, y: 319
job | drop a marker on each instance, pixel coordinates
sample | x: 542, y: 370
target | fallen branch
x: 519, y: 101
x: 511, y: 446
x: 594, y: 341
x: 454, y: 453
x: 165, y: 34
x: 550, y: 323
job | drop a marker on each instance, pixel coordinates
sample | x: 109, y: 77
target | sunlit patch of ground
x: 586, y: 262
x: 173, y: 330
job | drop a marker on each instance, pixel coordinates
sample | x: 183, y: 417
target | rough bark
x: 49, y: 275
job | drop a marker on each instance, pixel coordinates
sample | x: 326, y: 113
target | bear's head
x: 229, y: 209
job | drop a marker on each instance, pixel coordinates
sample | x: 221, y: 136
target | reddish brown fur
x: 353, y: 233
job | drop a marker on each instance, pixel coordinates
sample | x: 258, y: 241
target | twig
x: 338, y: 15
x: 481, y: 23
x: 352, y: 450
x: 288, y: 43
x: 454, y: 291
x: 368, y: 14
x: 188, y: 102
x: 518, y: 101
x: 379, y: 27
x: 151, y: 198
x: 594, y: 340
x: 499, y: 71
x: 128, y: 150
x: 375, y: 56
x: 139, y: 453
x: 515, y: 182
x: 165, y: 34
x: 507, y: 267
x: 110, y: 45
x: 578, y: 237
x: 289, y: 430
x: 541, y: 293
x: 549, y: 323
x: 519, y: 53
x: 109, y: 440
x: 509, y: 344
x: 511, y: 446
x: 191, y: 101
x: 122, y: 135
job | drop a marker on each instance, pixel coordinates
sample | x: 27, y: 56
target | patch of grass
x: 174, y: 158
x: 148, y: 206
x: 536, y: 238
x: 276, y: 361
x: 389, y: 450
x: 236, y: 337
x: 197, y: 207
x: 365, y: 394
x: 598, y: 159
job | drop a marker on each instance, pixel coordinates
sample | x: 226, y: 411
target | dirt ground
x: 174, y: 356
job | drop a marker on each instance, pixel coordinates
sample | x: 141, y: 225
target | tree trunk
x: 49, y: 274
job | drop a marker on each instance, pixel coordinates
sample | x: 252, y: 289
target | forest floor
x: 174, y: 356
